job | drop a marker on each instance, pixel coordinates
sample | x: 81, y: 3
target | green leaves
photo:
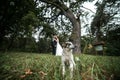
x: 18, y: 17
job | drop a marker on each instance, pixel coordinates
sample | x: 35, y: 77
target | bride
x: 59, y: 49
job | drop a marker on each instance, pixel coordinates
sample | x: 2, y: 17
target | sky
x: 92, y: 10
x: 90, y: 5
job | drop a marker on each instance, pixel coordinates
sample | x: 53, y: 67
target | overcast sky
x: 92, y: 10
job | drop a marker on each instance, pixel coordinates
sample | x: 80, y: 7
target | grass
x: 34, y: 66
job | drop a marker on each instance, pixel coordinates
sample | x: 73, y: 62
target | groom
x: 54, y: 44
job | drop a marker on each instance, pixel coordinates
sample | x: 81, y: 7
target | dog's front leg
x: 63, y: 67
x: 73, y: 62
x: 63, y: 70
x: 71, y: 70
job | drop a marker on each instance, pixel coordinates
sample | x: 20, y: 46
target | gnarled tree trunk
x: 76, y: 32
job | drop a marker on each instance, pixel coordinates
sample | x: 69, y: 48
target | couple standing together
x: 56, y: 47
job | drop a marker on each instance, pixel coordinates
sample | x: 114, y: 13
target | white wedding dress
x: 59, y: 49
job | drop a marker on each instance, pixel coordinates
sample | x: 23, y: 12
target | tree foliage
x: 106, y: 23
x: 105, y: 15
x: 113, y: 42
x: 66, y: 15
x: 17, y: 17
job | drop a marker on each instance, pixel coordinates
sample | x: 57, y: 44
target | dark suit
x: 53, y: 44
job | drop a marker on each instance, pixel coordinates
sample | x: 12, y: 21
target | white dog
x: 67, y: 58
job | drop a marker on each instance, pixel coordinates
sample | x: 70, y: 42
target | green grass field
x: 34, y: 66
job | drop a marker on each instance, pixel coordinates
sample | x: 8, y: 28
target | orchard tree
x: 107, y: 14
x: 63, y: 11
x: 18, y: 18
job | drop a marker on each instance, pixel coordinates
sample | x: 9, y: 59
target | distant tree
x: 17, y: 18
x: 105, y: 15
x: 105, y: 25
x: 71, y: 11
x: 44, y: 45
x: 113, y: 42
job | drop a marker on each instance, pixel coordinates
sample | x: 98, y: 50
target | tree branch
x: 87, y: 9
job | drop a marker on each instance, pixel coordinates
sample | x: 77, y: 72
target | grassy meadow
x: 34, y: 66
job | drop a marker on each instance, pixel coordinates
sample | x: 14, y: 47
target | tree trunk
x: 76, y: 32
